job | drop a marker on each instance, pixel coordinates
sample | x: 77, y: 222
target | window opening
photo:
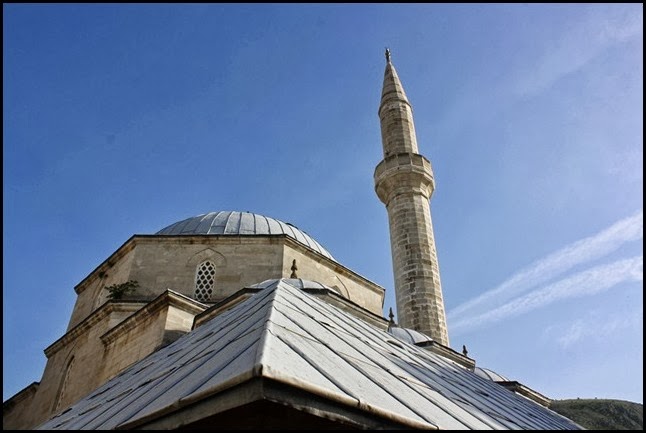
x: 204, y: 281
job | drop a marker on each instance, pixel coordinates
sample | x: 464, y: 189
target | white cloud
x: 582, y: 43
x: 596, y: 327
x: 584, y: 250
x: 559, y: 55
x: 584, y: 283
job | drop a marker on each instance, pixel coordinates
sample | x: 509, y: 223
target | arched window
x: 204, y: 281
x: 63, y: 387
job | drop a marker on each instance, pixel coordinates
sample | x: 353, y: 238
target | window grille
x: 204, y: 281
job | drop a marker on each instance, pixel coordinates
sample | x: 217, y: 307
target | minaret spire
x: 404, y: 183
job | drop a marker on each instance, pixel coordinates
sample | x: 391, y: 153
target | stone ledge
x: 95, y: 317
x: 167, y: 299
x: 403, y: 171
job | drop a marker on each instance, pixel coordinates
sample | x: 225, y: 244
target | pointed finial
x: 387, y: 55
x: 294, y: 269
x: 392, y: 316
x: 464, y: 350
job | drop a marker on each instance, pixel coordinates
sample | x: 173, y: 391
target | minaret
x: 404, y: 183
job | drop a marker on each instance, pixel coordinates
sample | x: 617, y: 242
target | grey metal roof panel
x: 285, y: 334
x: 262, y: 225
x: 333, y: 356
x: 319, y: 247
x: 232, y: 226
x: 192, y: 224
x: 240, y: 223
x: 247, y: 223
x: 287, y: 229
x: 207, y: 371
x: 489, y: 374
x: 409, y: 335
x: 297, y: 283
x: 299, y: 236
x: 218, y: 221
x: 205, y: 223
x: 264, y: 284
x: 371, y: 370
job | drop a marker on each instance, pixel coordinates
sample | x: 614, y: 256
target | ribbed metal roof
x: 297, y: 283
x: 490, y: 374
x: 408, y: 335
x: 240, y: 223
x: 285, y: 335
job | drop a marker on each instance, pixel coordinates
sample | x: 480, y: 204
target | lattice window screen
x: 204, y: 281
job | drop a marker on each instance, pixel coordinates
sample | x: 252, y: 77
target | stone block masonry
x: 404, y: 183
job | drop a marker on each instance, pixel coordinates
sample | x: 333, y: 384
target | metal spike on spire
x: 392, y: 89
x: 294, y: 269
x: 392, y: 316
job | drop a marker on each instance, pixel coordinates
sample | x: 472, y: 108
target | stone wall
x: 116, y: 269
x: 159, y: 263
x: 154, y: 326
x: 16, y: 411
x: 162, y: 263
x: 83, y: 344
x: 349, y: 284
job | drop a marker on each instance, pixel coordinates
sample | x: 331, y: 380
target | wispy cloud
x: 588, y: 282
x: 559, y: 55
x: 584, y: 41
x: 550, y: 267
x: 595, y: 327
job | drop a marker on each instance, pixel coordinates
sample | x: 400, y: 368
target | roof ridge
x: 260, y: 365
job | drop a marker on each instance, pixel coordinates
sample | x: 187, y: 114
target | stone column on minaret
x: 404, y: 183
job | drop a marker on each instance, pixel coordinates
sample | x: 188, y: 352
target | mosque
x: 237, y: 320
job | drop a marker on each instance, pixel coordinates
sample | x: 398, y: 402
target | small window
x: 204, y: 281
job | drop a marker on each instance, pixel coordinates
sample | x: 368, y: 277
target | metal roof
x: 284, y: 334
x: 240, y: 223
x: 409, y: 335
x: 490, y: 374
x: 298, y: 283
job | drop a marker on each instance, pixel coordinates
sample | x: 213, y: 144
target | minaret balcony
x: 403, y: 173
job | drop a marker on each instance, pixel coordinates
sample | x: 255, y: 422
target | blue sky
x: 122, y: 119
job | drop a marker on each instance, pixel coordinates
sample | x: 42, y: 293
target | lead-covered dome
x: 409, y: 335
x: 240, y: 223
x: 297, y: 283
x: 486, y: 373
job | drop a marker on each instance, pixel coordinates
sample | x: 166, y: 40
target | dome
x: 485, y: 373
x: 409, y: 335
x: 240, y: 223
x: 297, y: 283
